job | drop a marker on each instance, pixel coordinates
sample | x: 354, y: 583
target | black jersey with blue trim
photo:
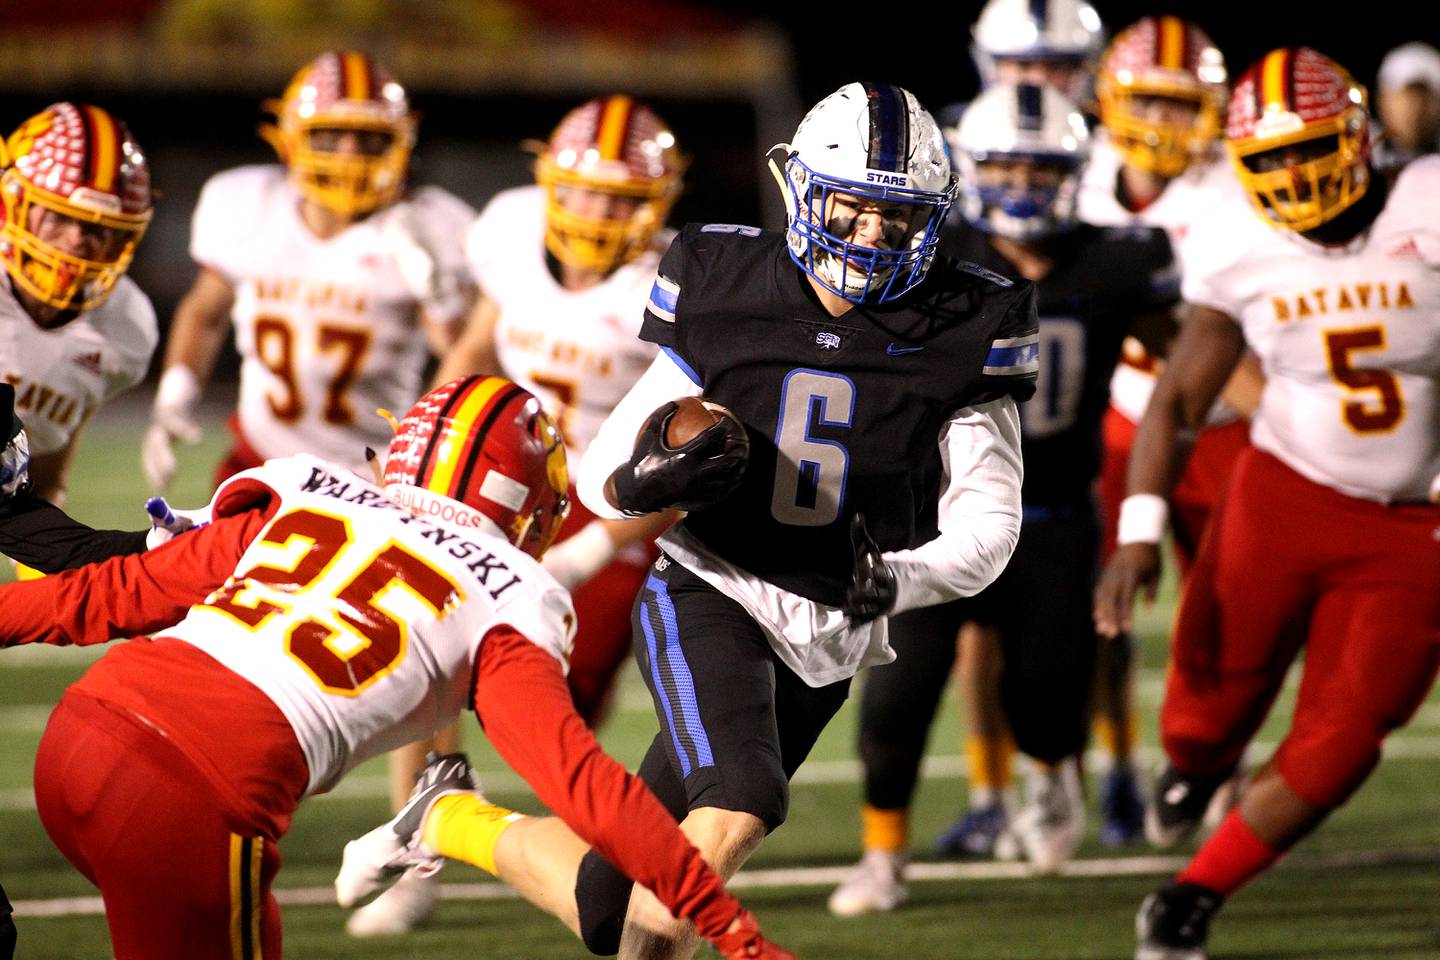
x: 844, y: 414
x: 1103, y: 281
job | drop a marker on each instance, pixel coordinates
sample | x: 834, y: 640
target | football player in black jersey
x: 1020, y: 152
x: 877, y: 384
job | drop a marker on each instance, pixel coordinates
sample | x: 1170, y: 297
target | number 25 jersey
x: 1349, y: 337
x: 362, y: 621
x: 844, y: 414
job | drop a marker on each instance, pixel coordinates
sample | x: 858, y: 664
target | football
x: 691, y: 419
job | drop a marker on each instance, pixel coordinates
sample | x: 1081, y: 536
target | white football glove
x: 171, y: 418
x: 167, y: 523
x: 437, y: 291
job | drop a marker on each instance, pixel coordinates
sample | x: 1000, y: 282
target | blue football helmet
x: 1006, y: 124
x: 868, y: 148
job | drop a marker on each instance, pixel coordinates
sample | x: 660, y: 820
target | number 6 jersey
x: 327, y: 329
x: 1349, y: 337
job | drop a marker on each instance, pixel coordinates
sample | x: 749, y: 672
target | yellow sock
x: 23, y: 572
x: 991, y: 762
x: 1118, y: 740
x: 886, y: 830
x: 466, y: 826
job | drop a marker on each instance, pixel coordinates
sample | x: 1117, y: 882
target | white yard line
x: 826, y: 877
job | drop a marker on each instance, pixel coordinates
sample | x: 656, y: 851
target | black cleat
x: 1174, y: 922
x: 1177, y: 805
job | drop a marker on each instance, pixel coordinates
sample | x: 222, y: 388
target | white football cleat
x: 406, y: 905
x: 875, y: 885
x: 374, y: 860
x: 1049, y: 827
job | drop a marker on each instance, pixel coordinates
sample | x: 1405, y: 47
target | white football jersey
x: 578, y: 351
x: 62, y: 376
x: 328, y: 330
x: 1185, y: 200
x: 362, y: 621
x: 1349, y: 337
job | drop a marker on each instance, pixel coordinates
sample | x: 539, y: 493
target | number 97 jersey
x: 1349, y: 337
x: 327, y: 330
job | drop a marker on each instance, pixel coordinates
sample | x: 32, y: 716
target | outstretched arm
x: 129, y: 595
x: 1207, y: 351
x: 41, y: 535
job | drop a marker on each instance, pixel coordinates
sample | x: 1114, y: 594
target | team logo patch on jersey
x: 825, y: 339
x: 1409, y: 250
x: 88, y: 361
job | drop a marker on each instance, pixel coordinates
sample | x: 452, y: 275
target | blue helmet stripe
x: 1028, y: 107
x: 889, y: 128
x: 1040, y: 12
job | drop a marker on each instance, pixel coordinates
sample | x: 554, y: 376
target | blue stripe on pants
x: 678, y: 694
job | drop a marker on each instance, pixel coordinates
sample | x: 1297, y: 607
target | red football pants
x: 1291, y: 563
x: 1206, y: 473
x: 602, y: 621
x: 118, y: 799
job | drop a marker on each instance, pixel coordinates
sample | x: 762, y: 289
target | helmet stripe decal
x: 455, y: 397
x: 1040, y: 12
x: 471, y: 457
x: 1274, y: 87
x: 614, y: 127
x: 357, y: 76
x: 104, y: 148
x: 1171, y: 53
x: 1028, y: 107
x: 889, y: 127
x: 471, y: 401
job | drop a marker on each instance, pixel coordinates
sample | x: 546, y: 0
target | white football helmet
x: 1065, y: 31
x: 870, y: 143
x: 1032, y: 123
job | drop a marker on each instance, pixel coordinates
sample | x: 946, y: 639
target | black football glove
x: 688, y: 477
x: 872, y: 585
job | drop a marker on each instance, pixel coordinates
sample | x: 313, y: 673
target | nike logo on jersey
x: 895, y: 351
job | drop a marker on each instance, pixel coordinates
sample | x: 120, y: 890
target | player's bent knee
x: 602, y: 896
x: 725, y: 837
x: 1325, y: 767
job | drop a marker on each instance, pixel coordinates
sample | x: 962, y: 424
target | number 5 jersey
x: 1349, y: 337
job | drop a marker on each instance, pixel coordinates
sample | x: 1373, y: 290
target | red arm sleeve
x: 136, y: 594
x: 525, y: 707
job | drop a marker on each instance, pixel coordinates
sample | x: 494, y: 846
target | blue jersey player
x: 877, y: 383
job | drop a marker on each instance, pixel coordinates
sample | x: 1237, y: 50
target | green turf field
x: 1367, y: 886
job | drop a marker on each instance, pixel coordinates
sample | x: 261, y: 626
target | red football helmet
x: 75, y: 194
x: 343, y: 92
x: 1298, y: 131
x: 611, y: 172
x: 1161, y: 59
x: 482, y: 446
